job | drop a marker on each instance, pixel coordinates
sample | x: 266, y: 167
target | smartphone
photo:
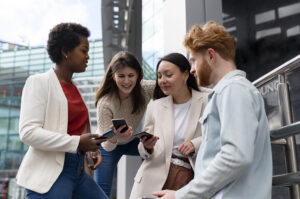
x: 142, y: 134
x: 89, y: 158
x: 107, y: 135
x: 120, y: 122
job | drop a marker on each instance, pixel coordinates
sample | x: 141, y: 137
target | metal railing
x: 289, y: 128
x: 285, y: 131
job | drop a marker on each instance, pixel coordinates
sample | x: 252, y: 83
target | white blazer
x: 43, y: 126
x: 159, y: 120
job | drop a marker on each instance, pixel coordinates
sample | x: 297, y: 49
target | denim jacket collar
x: 224, y: 81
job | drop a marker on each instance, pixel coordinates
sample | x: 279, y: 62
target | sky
x: 28, y: 22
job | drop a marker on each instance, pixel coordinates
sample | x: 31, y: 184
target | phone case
x: 109, y: 134
x: 142, y: 134
x: 118, y: 123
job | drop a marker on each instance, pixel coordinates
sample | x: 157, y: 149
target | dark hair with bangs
x: 109, y: 86
x: 64, y: 37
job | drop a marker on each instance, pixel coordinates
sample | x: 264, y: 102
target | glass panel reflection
x: 267, y: 35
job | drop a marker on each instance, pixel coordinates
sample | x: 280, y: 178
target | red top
x: 77, y: 111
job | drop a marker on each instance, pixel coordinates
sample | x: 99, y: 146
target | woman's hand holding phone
x: 90, y: 142
x: 96, y: 159
x: 149, y: 143
x: 126, y: 134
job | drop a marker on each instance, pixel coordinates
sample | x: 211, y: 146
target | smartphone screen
x: 109, y: 134
x: 118, y: 123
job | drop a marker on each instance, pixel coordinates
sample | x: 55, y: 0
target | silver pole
x: 286, y: 118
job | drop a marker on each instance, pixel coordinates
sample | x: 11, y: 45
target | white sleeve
x: 32, y: 116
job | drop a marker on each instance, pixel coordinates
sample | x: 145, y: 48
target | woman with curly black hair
x: 54, y: 122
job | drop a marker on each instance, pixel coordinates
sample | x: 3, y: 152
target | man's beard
x: 203, y: 74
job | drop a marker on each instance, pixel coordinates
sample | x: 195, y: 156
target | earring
x: 66, y: 57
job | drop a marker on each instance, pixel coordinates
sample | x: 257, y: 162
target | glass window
x: 25, y: 147
x: 3, y: 142
x: 4, y: 110
x: 38, y: 50
x: 98, y: 44
x: 98, y: 50
x: 8, y: 54
x: 13, y: 160
x: 14, y: 126
x: 37, y: 56
x: 148, y: 10
x: 3, y: 124
x: 22, y: 52
x: 36, y: 67
x: 14, y: 143
x: 98, y: 55
x: 15, y: 111
x: 37, y: 61
x: 158, y: 5
x: 98, y: 73
x: 148, y: 30
x: 7, y: 60
x: 98, y: 61
x: 22, y: 63
x: 267, y: 35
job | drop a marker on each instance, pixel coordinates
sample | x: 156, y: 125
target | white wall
x: 180, y: 15
x: 127, y: 168
x: 174, y: 26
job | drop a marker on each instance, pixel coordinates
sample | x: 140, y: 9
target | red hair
x: 213, y: 36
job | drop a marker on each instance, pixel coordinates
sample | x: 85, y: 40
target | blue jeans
x: 105, y: 172
x: 72, y: 183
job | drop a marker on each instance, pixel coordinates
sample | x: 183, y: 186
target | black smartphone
x: 142, y: 134
x: 118, y: 123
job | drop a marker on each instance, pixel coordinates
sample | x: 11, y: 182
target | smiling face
x: 200, y: 68
x: 77, y: 59
x: 125, y: 79
x: 170, y: 79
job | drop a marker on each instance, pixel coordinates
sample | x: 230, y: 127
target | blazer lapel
x: 166, y: 119
x: 63, y: 105
x: 194, y: 115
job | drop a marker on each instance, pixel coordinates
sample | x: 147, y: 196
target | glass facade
x: 267, y: 35
x: 152, y: 32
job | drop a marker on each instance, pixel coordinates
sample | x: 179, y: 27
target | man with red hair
x: 235, y: 159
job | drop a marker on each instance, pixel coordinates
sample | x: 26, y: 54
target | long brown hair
x: 108, y: 85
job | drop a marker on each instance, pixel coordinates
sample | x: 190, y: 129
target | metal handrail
x: 285, y: 131
x: 287, y: 66
x: 288, y: 179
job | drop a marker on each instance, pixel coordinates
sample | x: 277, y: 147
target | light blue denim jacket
x: 235, y: 155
